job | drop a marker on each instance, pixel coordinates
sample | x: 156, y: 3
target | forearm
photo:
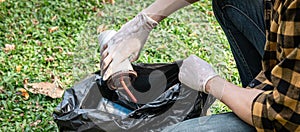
x: 238, y: 99
x: 161, y: 9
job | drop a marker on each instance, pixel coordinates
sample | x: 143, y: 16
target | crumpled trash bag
x: 162, y: 101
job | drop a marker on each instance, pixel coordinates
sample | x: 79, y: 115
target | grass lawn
x: 39, y: 38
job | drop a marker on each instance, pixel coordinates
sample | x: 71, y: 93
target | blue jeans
x: 227, y: 122
x: 244, y: 26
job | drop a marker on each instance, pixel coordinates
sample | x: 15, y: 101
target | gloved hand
x: 195, y: 72
x: 125, y: 44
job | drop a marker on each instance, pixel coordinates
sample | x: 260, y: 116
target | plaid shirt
x: 278, y: 108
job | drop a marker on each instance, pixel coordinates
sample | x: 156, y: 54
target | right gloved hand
x: 125, y: 44
x: 195, y: 73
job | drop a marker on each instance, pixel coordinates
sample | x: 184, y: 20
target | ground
x: 40, y: 38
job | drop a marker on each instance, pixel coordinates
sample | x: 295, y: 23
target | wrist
x: 155, y: 17
x: 203, y: 88
x: 212, y: 83
x: 215, y: 87
x: 146, y: 21
x: 209, y: 85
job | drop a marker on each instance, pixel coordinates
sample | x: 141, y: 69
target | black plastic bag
x: 162, y: 101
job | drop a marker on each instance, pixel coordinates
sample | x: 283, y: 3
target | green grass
x: 74, y: 48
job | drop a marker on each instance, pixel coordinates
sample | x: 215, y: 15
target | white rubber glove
x: 195, y: 72
x: 125, y: 44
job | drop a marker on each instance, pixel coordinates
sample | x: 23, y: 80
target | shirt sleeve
x: 279, y: 109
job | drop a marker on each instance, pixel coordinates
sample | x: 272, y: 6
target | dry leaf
x: 59, y: 48
x: 101, y: 28
x: 25, y: 41
x: 35, y: 22
x: 70, y: 53
x: 25, y: 81
x: 53, y: 29
x: 1, y: 89
x: 54, y: 18
x: 210, y: 13
x: 38, y: 42
x: 161, y: 47
x: 24, y: 93
x: 100, y: 13
x: 33, y: 124
x: 109, y: 1
x: 18, y: 68
x: 53, y: 90
x: 2, y: 1
x: 95, y: 9
x: 193, y: 34
x: 37, y: 105
x: 9, y: 47
x: 49, y: 59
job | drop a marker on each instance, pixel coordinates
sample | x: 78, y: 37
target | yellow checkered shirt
x: 278, y: 108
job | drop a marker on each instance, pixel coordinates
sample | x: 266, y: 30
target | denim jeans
x: 227, y: 122
x: 244, y: 27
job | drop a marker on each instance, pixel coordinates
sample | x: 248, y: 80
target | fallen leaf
x: 193, y: 34
x: 24, y: 93
x: 53, y: 29
x: 59, y: 48
x: 95, y: 9
x: 33, y: 124
x: 38, y: 42
x: 9, y: 47
x: 1, y: 89
x: 54, y: 18
x: 49, y: 59
x: 52, y: 90
x: 161, y: 47
x: 25, y: 41
x: 100, y: 13
x: 111, y: 2
x: 18, y: 68
x: 210, y: 13
x: 70, y: 53
x: 101, y: 28
x: 56, y: 80
x: 25, y: 81
x: 37, y: 105
x: 35, y: 22
x: 2, y: 1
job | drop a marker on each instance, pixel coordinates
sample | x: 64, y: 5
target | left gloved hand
x: 125, y: 44
x: 195, y: 73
